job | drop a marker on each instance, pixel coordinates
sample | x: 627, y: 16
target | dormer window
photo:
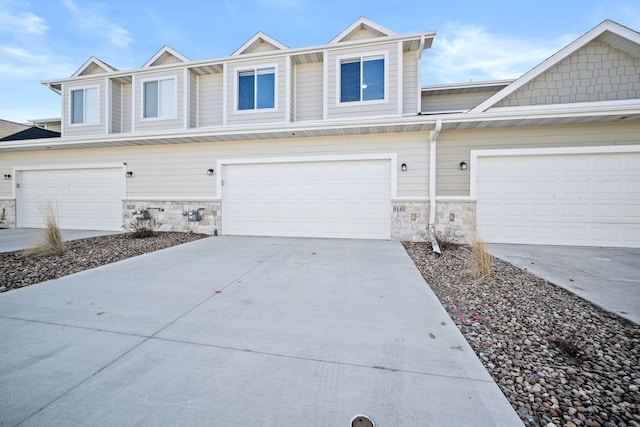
x: 362, y: 79
x: 159, y: 98
x: 85, y: 106
x: 257, y: 88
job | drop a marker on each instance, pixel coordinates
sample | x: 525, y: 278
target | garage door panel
x: 582, y: 199
x: 310, y: 199
x: 88, y: 198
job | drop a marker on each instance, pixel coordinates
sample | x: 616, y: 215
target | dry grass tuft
x: 51, y: 242
x: 481, y: 261
x: 140, y: 228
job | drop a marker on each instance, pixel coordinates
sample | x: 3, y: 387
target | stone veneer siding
x: 595, y: 72
x: 9, y: 206
x: 169, y: 215
x: 410, y: 220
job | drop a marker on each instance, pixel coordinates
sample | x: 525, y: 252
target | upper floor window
x: 257, y: 88
x: 159, y: 98
x: 362, y: 79
x: 85, y: 105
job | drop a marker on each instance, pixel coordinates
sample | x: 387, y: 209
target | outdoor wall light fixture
x: 404, y: 167
x: 464, y: 166
x: 129, y: 174
x: 210, y: 171
x: 7, y: 176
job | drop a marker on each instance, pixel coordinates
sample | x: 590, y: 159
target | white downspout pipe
x: 433, y: 138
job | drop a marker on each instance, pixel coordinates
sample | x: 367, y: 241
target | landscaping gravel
x: 558, y: 359
x: 18, y: 269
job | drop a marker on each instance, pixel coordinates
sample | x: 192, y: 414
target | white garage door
x: 569, y: 199
x: 349, y: 199
x: 85, y: 199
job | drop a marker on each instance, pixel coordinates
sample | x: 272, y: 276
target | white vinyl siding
x: 453, y: 101
x: 116, y: 107
x: 179, y: 170
x: 126, y: 107
x: 278, y: 114
x: 376, y: 108
x: 210, y: 100
x: 410, y: 83
x: 308, y: 91
x: 93, y: 117
x: 454, y: 147
x: 560, y: 199
x: 176, y: 120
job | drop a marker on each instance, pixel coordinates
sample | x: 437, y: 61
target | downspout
x: 433, y: 137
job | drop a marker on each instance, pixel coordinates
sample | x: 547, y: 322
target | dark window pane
x: 77, y: 106
x: 373, y: 79
x: 350, y: 81
x: 246, y: 90
x: 150, y: 99
x: 266, y: 88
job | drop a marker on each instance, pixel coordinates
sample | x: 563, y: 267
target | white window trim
x: 70, y: 102
x: 175, y: 97
x: 361, y: 57
x: 237, y: 70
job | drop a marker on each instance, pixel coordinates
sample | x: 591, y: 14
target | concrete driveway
x: 608, y: 277
x: 242, y: 331
x: 16, y: 239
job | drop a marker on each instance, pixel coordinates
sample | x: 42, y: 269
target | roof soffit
x: 616, y: 35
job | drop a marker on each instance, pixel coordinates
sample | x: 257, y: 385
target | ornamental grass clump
x: 51, y: 242
x: 481, y: 261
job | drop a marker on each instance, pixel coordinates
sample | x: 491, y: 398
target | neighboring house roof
x: 94, y: 65
x: 11, y: 131
x: 470, y: 87
x: 165, y: 55
x: 259, y: 43
x: 612, y: 33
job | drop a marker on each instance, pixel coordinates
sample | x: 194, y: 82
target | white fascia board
x: 557, y: 57
x: 260, y: 36
x: 93, y: 60
x: 165, y: 49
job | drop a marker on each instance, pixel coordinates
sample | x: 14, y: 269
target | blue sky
x: 48, y: 39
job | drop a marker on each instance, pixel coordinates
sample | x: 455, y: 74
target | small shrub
x: 481, y: 261
x: 448, y: 239
x: 141, y: 228
x: 51, y: 242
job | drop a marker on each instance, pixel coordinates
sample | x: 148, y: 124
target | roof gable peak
x: 258, y: 43
x: 362, y: 27
x: 165, y: 55
x: 94, y: 65
x: 609, y: 31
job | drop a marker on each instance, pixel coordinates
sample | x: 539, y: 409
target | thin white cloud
x: 470, y: 53
x: 22, y: 54
x: 24, y: 23
x: 90, y: 18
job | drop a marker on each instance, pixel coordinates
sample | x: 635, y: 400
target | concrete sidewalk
x: 242, y: 331
x: 16, y: 239
x: 607, y: 277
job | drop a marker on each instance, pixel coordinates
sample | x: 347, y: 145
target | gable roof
x: 165, y: 53
x: 255, y: 43
x: 611, y: 32
x: 362, y: 24
x: 91, y: 65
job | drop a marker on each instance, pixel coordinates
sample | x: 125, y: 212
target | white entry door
x: 342, y: 199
